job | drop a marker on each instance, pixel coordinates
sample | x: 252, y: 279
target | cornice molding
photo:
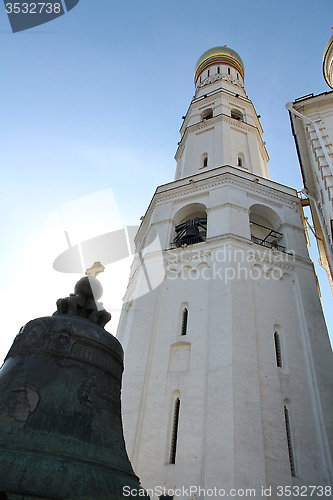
x: 214, y: 78
x: 268, y: 259
x: 228, y: 178
x: 214, y: 121
x: 262, y: 199
x: 222, y: 94
x: 198, y: 101
x: 193, y: 256
x: 228, y: 204
x: 185, y: 189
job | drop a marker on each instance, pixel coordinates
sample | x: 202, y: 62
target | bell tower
x: 228, y: 366
x: 221, y: 126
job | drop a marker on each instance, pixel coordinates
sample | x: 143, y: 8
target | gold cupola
x: 218, y: 55
x: 328, y: 63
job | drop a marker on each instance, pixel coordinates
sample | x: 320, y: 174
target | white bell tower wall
x: 221, y: 126
x: 228, y: 366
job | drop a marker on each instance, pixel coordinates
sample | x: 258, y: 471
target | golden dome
x: 328, y: 63
x: 215, y: 55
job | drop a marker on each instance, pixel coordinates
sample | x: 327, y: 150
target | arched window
x: 229, y: 72
x: 174, y: 432
x: 207, y: 114
x: 204, y: 160
x: 265, y: 225
x: 241, y: 160
x: 190, y: 225
x: 208, y: 72
x: 237, y: 114
x: 184, y: 322
x: 278, y: 352
x: 218, y: 69
x: 289, y: 440
x: 191, y: 231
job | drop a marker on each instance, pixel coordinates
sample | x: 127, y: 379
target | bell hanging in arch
x: 188, y: 232
x: 191, y: 235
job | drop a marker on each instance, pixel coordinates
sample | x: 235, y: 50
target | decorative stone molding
x: 272, y: 261
x: 230, y: 178
x: 262, y: 192
x: 219, y: 76
x: 213, y: 121
x: 188, y: 257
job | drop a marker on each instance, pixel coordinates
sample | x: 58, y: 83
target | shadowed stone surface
x: 60, y: 414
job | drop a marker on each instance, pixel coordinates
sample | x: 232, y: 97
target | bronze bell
x: 61, y: 433
x: 191, y: 235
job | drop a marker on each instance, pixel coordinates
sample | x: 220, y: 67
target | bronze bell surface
x: 61, y: 433
x: 191, y: 234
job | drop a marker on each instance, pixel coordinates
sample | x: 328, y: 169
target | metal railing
x: 189, y: 241
x: 268, y: 244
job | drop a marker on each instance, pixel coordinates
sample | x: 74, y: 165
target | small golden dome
x: 328, y: 63
x: 222, y: 55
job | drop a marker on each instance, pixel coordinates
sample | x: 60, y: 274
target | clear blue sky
x: 93, y: 100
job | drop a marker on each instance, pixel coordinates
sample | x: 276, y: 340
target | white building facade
x: 312, y: 126
x: 228, y: 367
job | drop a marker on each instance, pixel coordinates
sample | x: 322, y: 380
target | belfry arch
x: 266, y: 227
x: 189, y: 225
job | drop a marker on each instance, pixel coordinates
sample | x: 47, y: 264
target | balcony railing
x: 268, y: 244
x: 189, y: 241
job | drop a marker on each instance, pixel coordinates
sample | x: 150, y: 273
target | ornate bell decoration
x: 61, y: 432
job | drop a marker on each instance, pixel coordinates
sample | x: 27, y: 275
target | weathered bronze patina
x: 60, y: 415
